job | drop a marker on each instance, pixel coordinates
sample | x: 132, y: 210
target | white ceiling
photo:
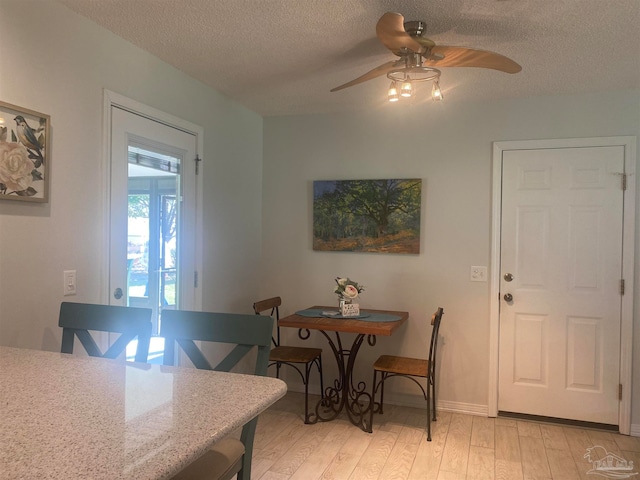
x: 281, y: 57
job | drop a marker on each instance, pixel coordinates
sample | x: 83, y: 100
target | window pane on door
x: 153, y: 221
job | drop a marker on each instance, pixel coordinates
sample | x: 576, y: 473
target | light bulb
x: 436, y: 93
x: 392, y: 94
x: 407, y: 89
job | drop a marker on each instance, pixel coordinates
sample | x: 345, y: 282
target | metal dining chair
x: 229, y: 456
x: 412, y: 368
x: 79, y: 319
x: 295, y: 357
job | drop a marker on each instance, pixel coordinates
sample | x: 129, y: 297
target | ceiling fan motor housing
x: 415, y: 28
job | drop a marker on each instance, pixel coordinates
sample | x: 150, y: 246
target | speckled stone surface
x: 69, y: 417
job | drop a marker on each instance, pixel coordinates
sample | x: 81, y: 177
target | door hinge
x: 195, y: 279
x: 624, y: 182
x: 197, y: 160
x: 620, y: 391
x: 622, y: 286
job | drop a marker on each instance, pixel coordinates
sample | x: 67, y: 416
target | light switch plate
x: 69, y: 282
x: 478, y: 274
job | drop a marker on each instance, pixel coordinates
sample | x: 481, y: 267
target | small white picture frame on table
x: 350, y: 310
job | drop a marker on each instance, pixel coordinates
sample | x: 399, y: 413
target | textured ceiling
x: 281, y: 57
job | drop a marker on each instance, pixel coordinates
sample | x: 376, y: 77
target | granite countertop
x: 68, y: 416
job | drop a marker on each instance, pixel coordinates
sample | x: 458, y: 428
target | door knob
x: 508, y: 277
x: 508, y: 297
x: 117, y: 293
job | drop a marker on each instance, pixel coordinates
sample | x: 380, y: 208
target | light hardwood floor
x: 462, y: 447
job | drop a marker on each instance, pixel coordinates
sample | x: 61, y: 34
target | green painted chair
x: 79, y: 319
x: 229, y: 456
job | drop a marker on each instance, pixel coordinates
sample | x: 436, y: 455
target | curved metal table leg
x: 344, y: 394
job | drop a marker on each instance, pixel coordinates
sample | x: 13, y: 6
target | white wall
x: 56, y: 62
x: 449, y: 146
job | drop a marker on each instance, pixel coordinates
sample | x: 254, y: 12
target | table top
x: 347, y: 325
x: 69, y: 416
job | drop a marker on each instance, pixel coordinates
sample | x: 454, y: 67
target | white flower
x: 350, y: 291
x: 15, y: 166
x: 342, y: 281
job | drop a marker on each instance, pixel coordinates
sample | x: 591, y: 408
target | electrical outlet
x: 69, y: 282
x: 478, y: 274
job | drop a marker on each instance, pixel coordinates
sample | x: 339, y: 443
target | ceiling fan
x: 420, y: 58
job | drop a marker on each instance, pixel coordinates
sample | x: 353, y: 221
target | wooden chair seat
x: 294, y: 357
x: 294, y: 354
x: 389, y: 366
x: 415, y: 367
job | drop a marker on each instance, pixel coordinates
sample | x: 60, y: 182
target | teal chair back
x: 245, y: 332
x: 79, y: 319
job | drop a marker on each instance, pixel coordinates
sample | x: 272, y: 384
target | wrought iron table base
x: 344, y: 395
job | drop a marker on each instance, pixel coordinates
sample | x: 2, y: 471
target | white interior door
x: 153, y: 214
x: 561, y: 262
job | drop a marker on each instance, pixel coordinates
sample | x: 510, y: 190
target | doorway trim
x: 628, y: 239
x: 112, y: 99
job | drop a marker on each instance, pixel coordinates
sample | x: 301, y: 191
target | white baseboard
x: 467, y: 408
x: 416, y: 401
x: 443, y: 406
x: 635, y: 430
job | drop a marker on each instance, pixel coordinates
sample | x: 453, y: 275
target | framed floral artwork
x: 24, y: 154
x: 381, y: 216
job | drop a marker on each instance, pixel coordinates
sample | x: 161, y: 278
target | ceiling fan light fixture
x: 408, y: 77
x: 392, y: 94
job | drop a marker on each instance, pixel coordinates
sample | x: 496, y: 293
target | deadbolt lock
x: 508, y: 277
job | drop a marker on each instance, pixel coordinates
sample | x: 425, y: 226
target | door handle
x: 508, y: 297
x: 117, y: 293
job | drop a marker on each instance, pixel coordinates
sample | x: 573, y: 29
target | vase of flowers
x: 347, y: 291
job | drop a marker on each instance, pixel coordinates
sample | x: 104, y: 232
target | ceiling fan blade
x: 469, y: 57
x: 391, y: 32
x: 371, y: 74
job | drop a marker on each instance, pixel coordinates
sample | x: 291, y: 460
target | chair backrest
x: 272, y: 305
x: 245, y: 331
x: 185, y: 327
x: 78, y: 319
x: 435, y: 322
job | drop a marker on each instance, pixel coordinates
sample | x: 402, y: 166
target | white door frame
x: 111, y: 99
x: 628, y: 238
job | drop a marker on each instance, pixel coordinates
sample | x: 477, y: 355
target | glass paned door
x: 153, y: 224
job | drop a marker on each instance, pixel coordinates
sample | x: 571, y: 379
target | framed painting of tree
x: 380, y: 216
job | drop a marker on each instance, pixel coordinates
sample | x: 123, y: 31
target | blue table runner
x: 365, y: 316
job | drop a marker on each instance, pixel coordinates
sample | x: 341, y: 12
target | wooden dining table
x: 344, y: 395
x: 69, y: 416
